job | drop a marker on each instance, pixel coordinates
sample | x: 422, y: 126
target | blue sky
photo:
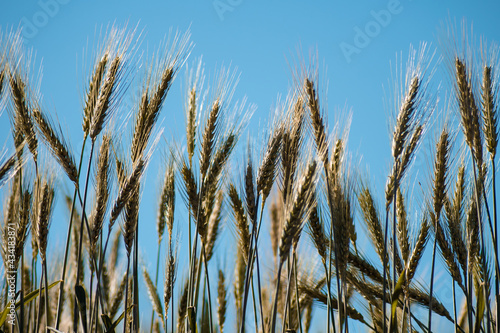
x: 356, y: 41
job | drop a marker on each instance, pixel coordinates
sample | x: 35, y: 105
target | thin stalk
x: 126, y: 295
x: 329, y: 299
x: 432, y: 272
x: 333, y: 237
x: 39, y: 316
x: 68, y: 239
x: 286, y: 317
x: 495, y: 244
x: 44, y: 265
x: 255, y: 309
x: 297, y: 292
x: 156, y: 282
x: 454, y: 306
x: 481, y: 233
x: 275, y: 304
x: 384, y: 271
x: 259, y: 288
x: 80, y: 243
x: 394, y: 246
x: 136, y: 277
x: 248, y: 272
x: 207, y: 279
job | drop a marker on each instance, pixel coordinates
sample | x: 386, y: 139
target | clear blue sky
x: 261, y: 39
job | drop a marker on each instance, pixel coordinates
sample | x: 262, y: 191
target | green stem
x: 68, y: 239
x: 80, y: 243
x: 497, y: 277
x: 39, y: 316
x: 156, y: 281
x: 297, y: 291
x: 275, y: 303
x: 248, y: 272
x: 126, y: 295
x: 44, y: 265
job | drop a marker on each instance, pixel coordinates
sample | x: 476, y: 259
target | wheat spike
x: 57, y: 144
x: 403, y: 232
x: 213, y: 226
x: 131, y: 219
x: 490, y: 118
x: 153, y: 295
x: 319, y: 131
x: 250, y: 203
x: 297, y: 212
x: 191, y: 124
x: 364, y: 266
x: 221, y: 300
x: 23, y: 120
x: 276, y: 224
x: 93, y: 92
x: 405, y: 118
x: 317, y: 232
x: 101, y: 110
x: 103, y: 177
x: 182, y: 308
x: 399, y: 169
x: 43, y: 200
x: 291, y: 146
x: 7, y: 168
x: 440, y: 172
x: 267, y: 170
x: 127, y: 189
x: 372, y: 220
x: 191, y: 189
x: 454, y: 217
x: 170, y: 271
x: 209, y: 137
x: 166, y: 206
x: 418, y: 251
x: 240, y: 220
x: 469, y: 112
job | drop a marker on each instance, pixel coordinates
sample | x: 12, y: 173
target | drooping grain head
x: 57, y: 144
x: 490, y: 116
x: 23, y: 121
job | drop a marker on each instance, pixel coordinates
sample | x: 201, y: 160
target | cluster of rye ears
x: 302, y: 184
